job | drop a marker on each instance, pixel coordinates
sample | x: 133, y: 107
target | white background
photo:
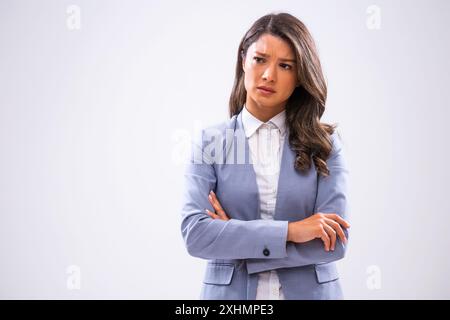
x: 89, y: 120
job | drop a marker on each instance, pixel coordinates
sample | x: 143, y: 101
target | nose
x: 270, y: 73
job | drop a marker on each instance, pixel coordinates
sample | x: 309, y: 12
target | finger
x: 211, y: 200
x: 218, y: 206
x: 222, y: 215
x: 211, y: 214
x: 326, y: 239
x: 214, y: 197
x: 331, y: 234
x: 338, y: 219
x: 337, y: 227
x: 217, y: 216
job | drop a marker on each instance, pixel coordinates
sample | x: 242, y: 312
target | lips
x: 266, y: 89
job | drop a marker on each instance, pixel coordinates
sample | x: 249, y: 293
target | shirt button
x: 266, y: 252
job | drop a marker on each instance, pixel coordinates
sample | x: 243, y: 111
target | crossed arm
x: 215, y: 236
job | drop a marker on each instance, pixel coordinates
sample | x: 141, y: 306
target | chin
x: 264, y: 101
x: 267, y: 104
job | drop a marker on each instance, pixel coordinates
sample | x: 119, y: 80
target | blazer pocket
x: 219, y: 273
x: 326, y: 272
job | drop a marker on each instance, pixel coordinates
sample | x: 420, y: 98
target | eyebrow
x: 282, y: 59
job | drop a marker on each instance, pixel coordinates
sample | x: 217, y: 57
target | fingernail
x: 210, y: 197
x: 206, y: 210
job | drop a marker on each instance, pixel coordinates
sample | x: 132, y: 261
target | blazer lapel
x: 286, y: 174
x: 287, y: 161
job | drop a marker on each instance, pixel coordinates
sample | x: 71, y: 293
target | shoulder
x: 211, y: 140
x: 215, y: 131
x: 221, y: 126
x: 336, y: 143
x: 218, y: 130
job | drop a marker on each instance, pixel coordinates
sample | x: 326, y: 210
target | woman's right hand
x: 325, y: 226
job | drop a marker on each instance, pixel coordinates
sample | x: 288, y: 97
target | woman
x: 266, y: 191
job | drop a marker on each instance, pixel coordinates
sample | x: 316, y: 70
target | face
x: 269, y: 62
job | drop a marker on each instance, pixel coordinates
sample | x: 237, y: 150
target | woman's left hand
x: 220, y: 213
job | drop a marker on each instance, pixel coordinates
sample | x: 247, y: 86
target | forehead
x: 272, y: 45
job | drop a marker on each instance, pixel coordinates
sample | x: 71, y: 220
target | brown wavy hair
x: 308, y: 137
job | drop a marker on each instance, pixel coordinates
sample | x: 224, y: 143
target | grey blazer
x: 237, y: 249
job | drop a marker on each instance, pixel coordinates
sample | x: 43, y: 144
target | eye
x: 258, y: 59
x: 286, y: 66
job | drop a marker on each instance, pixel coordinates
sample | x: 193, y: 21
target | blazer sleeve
x: 209, y: 238
x: 332, y: 197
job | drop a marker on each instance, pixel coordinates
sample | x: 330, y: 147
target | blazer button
x: 266, y: 252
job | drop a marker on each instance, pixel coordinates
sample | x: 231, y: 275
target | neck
x: 263, y: 112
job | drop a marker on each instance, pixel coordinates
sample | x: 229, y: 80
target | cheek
x: 249, y: 79
x: 288, y: 84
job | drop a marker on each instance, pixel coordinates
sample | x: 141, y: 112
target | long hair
x: 308, y: 137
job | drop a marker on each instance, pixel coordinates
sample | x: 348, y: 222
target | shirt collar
x: 251, y: 123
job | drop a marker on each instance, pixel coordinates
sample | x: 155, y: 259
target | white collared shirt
x: 266, y: 142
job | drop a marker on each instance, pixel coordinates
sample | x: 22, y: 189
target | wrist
x: 289, y: 232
